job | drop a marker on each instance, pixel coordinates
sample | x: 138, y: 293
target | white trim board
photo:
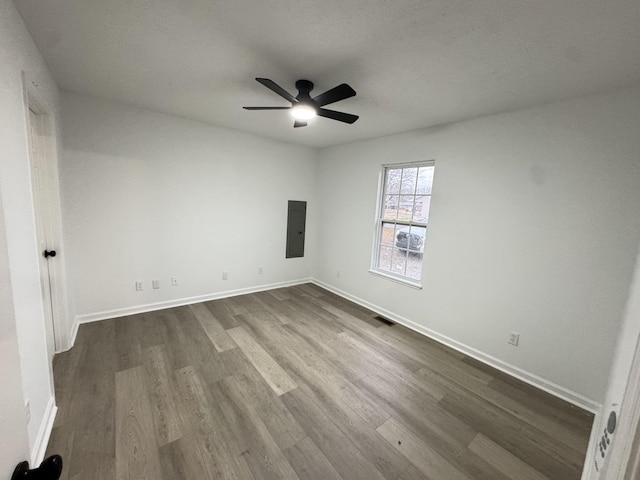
x: 588, y: 470
x: 527, y: 377
x: 44, y: 432
x: 150, y: 307
x: 74, y: 332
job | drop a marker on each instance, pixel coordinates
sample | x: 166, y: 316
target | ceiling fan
x: 304, y: 108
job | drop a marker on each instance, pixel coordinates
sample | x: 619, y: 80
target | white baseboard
x: 150, y: 307
x: 527, y: 377
x: 69, y: 339
x: 530, y: 378
x: 44, y: 432
x: 74, y: 333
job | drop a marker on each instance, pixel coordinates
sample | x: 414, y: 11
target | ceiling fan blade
x: 335, y: 95
x: 267, y: 108
x: 340, y: 116
x: 300, y: 123
x: 273, y: 86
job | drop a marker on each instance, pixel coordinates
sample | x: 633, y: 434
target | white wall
x: 14, y: 444
x: 17, y: 54
x: 148, y: 196
x: 533, y: 229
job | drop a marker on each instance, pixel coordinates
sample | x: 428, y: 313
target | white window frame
x: 379, y: 221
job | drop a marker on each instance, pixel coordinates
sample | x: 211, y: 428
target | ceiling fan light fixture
x: 305, y: 107
x: 303, y: 112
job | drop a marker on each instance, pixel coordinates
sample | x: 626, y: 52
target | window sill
x: 396, y: 279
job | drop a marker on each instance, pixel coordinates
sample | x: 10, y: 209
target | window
x: 402, y: 221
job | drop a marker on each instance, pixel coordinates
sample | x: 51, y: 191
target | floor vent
x: 386, y: 321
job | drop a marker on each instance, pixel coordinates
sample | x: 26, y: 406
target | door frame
x: 624, y: 463
x: 50, y: 196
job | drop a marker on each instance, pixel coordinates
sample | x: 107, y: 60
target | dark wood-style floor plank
x: 533, y: 446
x: 334, y: 444
x: 256, y: 392
x: 261, y: 452
x: 359, y: 432
x: 297, y: 383
x: 412, y: 473
x: 309, y: 462
x: 223, y: 312
x: 422, y: 412
x: 445, y: 435
x: 166, y: 414
x: 575, y: 439
x: 418, y: 453
x: 213, y: 328
x: 93, y: 404
x: 273, y: 374
x: 179, y: 459
x: 137, y: 455
x: 504, y: 461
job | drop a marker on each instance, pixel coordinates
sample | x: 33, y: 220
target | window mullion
x: 406, y: 223
x: 413, y: 205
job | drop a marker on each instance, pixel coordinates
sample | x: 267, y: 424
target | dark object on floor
x: 49, y: 469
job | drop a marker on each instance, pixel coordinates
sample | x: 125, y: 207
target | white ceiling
x: 414, y: 63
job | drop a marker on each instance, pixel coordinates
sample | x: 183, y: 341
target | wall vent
x: 386, y: 321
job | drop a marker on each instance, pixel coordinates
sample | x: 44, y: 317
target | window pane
x: 402, y: 236
x: 421, y: 209
x: 409, y: 176
x: 388, y: 233
x: 416, y: 243
x: 390, y: 211
x: 405, y: 209
x: 399, y: 261
x: 384, y: 258
x: 414, y: 267
x: 393, y: 180
x: 425, y: 180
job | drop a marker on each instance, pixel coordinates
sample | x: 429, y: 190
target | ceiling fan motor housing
x: 304, y: 88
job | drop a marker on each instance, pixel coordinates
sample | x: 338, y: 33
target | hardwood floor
x: 297, y: 383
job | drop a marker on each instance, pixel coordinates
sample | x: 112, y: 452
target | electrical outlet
x: 225, y: 275
x: 155, y: 284
x: 260, y: 270
x: 514, y: 339
x: 138, y: 286
x: 27, y: 410
x: 174, y: 281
